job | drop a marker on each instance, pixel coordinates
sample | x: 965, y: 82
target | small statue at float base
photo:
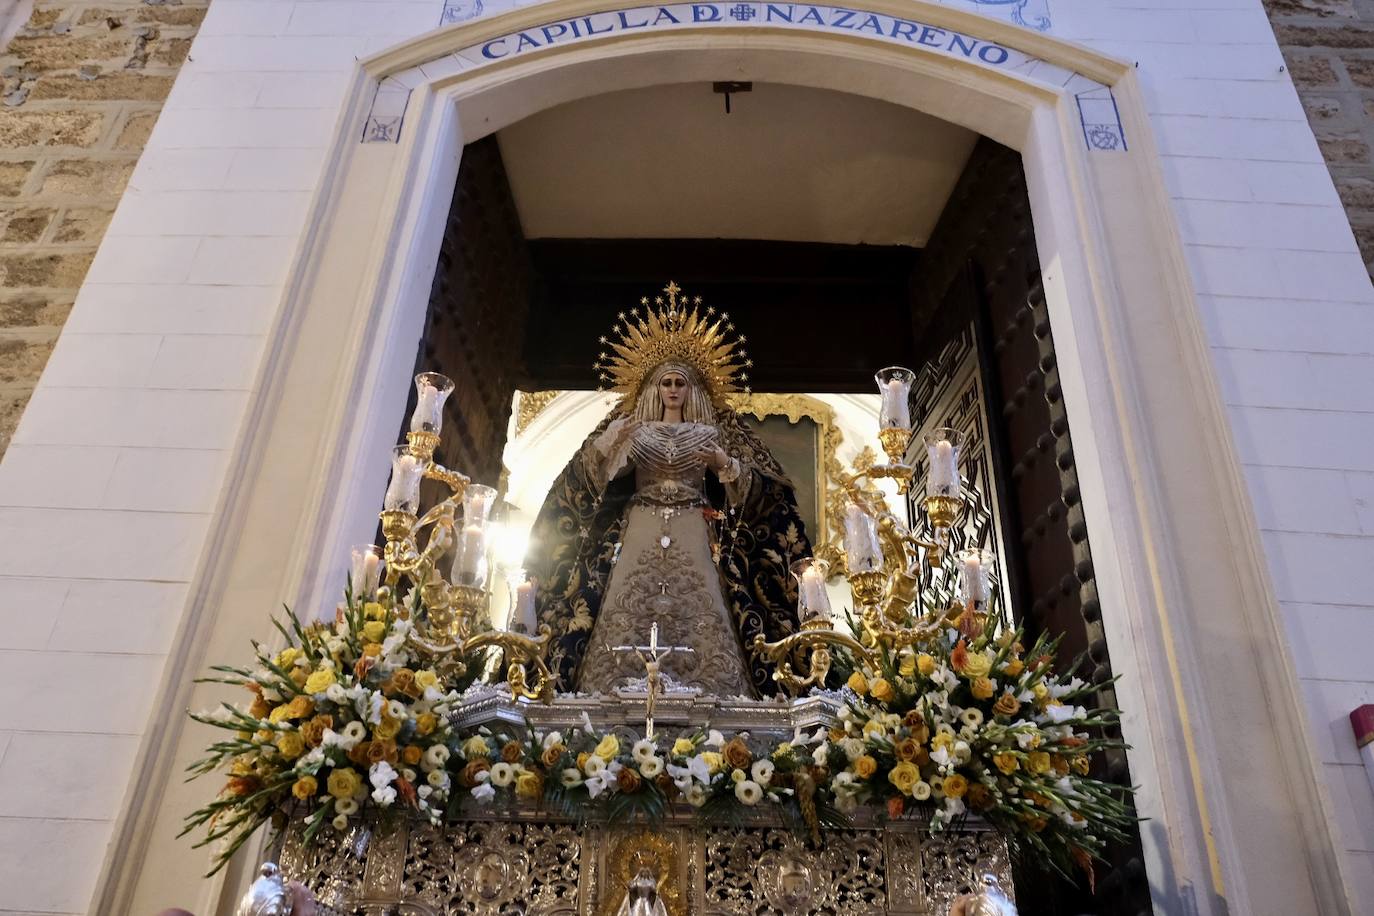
x: 989, y: 900
x: 272, y: 895
x: 641, y: 896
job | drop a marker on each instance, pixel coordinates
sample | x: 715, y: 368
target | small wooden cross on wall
x: 651, y: 656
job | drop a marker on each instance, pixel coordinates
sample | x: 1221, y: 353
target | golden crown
x: 675, y: 329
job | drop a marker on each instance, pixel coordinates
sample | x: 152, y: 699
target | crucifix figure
x: 651, y: 656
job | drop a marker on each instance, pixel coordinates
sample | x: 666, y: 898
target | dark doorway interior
x: 508, y: 313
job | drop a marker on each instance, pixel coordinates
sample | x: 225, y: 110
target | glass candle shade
x: 470, y: 561
x: 813, y: 604
x: 403, y: 492
x: 477, y: 502
x: 894, y: 384
x: 975, y: 576
x: 942, y: 453
x: 431, y: 391
x: 862, y: 550
x: 365, y: 571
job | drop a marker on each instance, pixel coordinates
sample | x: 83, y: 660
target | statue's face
x: 672, y: 390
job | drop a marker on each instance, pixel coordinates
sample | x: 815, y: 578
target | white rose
x: 436, y: 756
x: 551, y: 739
x: 696, y: 795
x: 762, y: 771
x: 438, y: 779
x: 571, y: 777
x: 651, y: 767
x: 502, y: 774
x: 334, y: 693
x: 853, y: 748
x: 396, y: 710
x: 595, y: 765
x: 340, y: 823
x: 921, y: 790
x: 347, y: 807
x: 643, y: 749
x: 748, y: 791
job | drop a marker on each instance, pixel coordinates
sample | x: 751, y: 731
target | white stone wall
x: 107, y: 491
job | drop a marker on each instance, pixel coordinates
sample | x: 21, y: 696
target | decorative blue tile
x: 1101, y: 120
x: 388, y: 111
x: 460, y: 11
x: 1033, y: 14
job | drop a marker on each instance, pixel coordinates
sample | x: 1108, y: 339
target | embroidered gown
x: 665, y: 571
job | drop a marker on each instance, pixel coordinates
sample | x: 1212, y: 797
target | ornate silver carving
x: 266, y: 896
x: 954, y: 864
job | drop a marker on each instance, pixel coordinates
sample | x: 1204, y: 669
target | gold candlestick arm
x: 816, y: 636
x: 520, y: 650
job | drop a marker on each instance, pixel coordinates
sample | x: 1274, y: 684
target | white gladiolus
x: 334, y: 693
x: 552, y: 739
x: 483, y: 792
x: 384, y: 796
x: 381, y: 774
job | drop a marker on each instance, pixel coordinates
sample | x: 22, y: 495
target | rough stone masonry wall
x: 83, y: 83
x: 1329, y: 46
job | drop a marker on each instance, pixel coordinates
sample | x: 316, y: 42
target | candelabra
x: 883, y: 559
x: 454, y: 622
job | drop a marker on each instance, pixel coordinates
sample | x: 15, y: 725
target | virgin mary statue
x: 672, y: 512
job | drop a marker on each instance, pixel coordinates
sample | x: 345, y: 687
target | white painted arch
x: 1237, y: 816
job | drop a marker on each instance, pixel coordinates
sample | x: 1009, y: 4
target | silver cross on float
x: 652, y: 656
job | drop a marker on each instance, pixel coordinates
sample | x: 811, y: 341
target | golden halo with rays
x: 674, y: 329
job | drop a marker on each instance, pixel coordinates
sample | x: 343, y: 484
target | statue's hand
x: 715, y: 457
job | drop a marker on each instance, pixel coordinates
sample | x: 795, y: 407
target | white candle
x: 975, y: 579
x: 366, y: 565
x: 862, y: 550
x: 896, y: 412
x: 522, y: 618
x: 427, y: 416
x: 472, y: 550
x: 404, y: 490
x: 944, y: 469
x: 814, y: 600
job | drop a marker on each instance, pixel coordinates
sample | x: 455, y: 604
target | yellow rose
x: 300, y: 707
x: 1007, y: 763
x: 1006, y: 705
x: 374, y: 611
x: 476, y: 746
x: 291, y: 745
x: 529, y: 784
x: 976, y: 665
x: 279, y: 714
x: 1013, y: 667
x: 374, y: 630
x: 882, y: 691
x: 906, y: 665
x: 1040, y: 691
x: 858, y: 683
x: 1038, y: 762
x: 925, y: 664
x: 287, y: 657
x: 865, y: 766
x: 319, y: 681
x: 682, y: 747
x: 582, y: 759
x: 607, y: 748
x: 738, y: 776
x: 387, y: 728
x: 1080, y: 765
x: 426, y: 679
x: 412, y: 755
x: 982, y: 688
x: 943, y: 739
x: 344, y: 783
x: 955, y: 786
x: 714, y: 762
x: 426, y: 723
x: 305, y: 787
x: 904, y: 776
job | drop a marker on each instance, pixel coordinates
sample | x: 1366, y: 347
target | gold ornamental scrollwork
x: 659, y: 851
x: 530, y: 405
x: 830, y: 485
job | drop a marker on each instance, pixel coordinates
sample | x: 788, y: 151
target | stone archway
x: 1175, y: 540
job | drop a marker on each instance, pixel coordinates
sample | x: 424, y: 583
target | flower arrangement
x: 349, y: 719
x: 972, y: 722
x: 345, y: 718
x: 585, y: 771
